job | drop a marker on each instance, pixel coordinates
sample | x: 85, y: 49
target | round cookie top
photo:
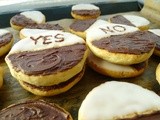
x: 132, y: 20
x: 5, y: 37
x: 85, y: 7
x: 34, y: 110
x: 106, y: 101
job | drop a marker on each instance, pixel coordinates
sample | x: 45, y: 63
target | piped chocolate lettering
x: 59, y: 37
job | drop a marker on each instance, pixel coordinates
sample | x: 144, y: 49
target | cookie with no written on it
x: 26, y: 18
x: 34, y: 110
x: 120, y: 101
x: 79, y: 27
x: 119, y: 44
x: 49, y: 63
x: 85, y: 11
x: 39, y: 28
x: 6, y: 41
x: 132, y: 20
x: 1, y: 76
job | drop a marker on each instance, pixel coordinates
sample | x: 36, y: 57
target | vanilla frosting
x: 85, y: 7
x: 155, y: 31
x: 3, y: 32
x: 118, y: 100
x: 36, y: 16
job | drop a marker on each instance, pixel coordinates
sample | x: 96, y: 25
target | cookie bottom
x: 158, y: 73
x: 84, y: 17
x: 114, y: 70
x: 54, y: 89
x: 80, y: 34
x: 1, y: 77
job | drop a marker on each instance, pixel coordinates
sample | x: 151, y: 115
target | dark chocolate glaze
x: 33, y: 110
x: 139, y: 66
x: 82, y: 25
x: 48, y: 61
x: 47, y: 26
x: 21, y: 20
x: 138, y: 42
x: 87, y: 12
x: 119, y: 19
x: 5, y: 39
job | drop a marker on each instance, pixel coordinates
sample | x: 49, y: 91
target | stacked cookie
x: 118, y: 50
x: 85, y: 15
x: 48, y: 63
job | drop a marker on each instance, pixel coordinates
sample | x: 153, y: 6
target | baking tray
x: 12, y: 92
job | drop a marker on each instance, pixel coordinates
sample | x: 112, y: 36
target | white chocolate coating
x: 50, y: 39
x: 36, y: 16
x: 3, y: 32
x: 85, y: 7
x: 137, y: 20
x: 117, y: 100
x: 101, y: 29
x: 155, y: 31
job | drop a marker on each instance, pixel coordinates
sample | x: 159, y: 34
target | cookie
x: 131, y: 20
x: 34, y: 110
x: 156, y: 37
x: 120, y: 100
x: 39, y: 28
x: 27, y: 18
x: 115, y: 70
x: 119, y: 44
x: 85, y: 11
x: 50, y: 62
x: 158, y: 73
x: 1, y: 76
x: 79, y: 27
x: 6, y: 41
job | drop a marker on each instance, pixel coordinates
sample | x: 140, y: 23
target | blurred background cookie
x: 120, y: 101
x: 6, y: 41
x: 27, y: 18
x: 158, y: 73
x: 48, y: 63
x: 38, y: 110
x: 1, y: 76
x: 132, y: 20
x: 85, y: 11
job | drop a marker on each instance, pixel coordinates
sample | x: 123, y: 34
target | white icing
x: 85, y: 7
x: 137, y: 20
x: 53, y: 37
x: 155, y: 31
x: 3, y: 32
x: 117, y: 99
x: 95, y: 32
x: 109, y: 66
x: 26, y: 32
x: 36, y: 16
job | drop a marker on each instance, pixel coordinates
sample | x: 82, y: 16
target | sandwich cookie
x: 24, y: 19
x: 120, y: 101
x: 117, y: 50
x: 1, y: 76
x: 79, y: 27
x: 6, y: 41
x: 39, y: 28
x: 156, y: 35
x: 158, y: 73
x: 131, y: 20
x: 85, y: 11
x: 48, y: 63
x: 34, y: 110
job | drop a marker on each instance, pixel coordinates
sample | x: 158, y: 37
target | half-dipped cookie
x: 34, y: 110
x: 27, y: 18
x: 48, y: 63
x: 120, y: 101
x: 132, y: 20
x: 79, y: 27
x: 85, y: 11
x: 39, y: 28
x: 6, y: 41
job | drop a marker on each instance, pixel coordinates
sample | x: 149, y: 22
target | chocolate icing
x: 87, y: 12
x: 48, y: 61
x: 21, y: 20
x: 82, y: 25
x: 138, y: 42
x: 33, y: 110
x: 46, y: 26
x: 139, y: 66
x: 119, y: 19
x: 5, y: 39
